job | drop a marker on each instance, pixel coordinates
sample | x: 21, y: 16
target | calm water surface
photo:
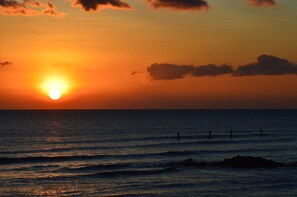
x: 136, y: 153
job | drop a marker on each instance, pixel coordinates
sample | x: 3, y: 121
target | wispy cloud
x: 28, y: 8
x: 50, y: 9
x: 259, y: 3
x: 134, y: 73
x: 5, y: 63
x: 88, y: 5
x: 265, y: 65
x: 191, y: 5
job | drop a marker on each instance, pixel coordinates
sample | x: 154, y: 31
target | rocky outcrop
x: 249, y: 162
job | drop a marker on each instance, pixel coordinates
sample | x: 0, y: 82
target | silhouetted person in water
x: 209, y: 134
x: 178, y: 137
x: 231, y: 133
x: 261, y: 132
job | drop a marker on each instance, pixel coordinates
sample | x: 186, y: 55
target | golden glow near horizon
x: 98, y: 57
x: 55, y: 88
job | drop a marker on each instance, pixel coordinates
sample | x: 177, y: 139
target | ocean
x: 138, y: 153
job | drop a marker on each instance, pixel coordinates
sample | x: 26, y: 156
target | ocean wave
x: 219, y: 135
x: 154, y: 168
x: 12, y: 160
x: 236, y: 162
x: 92, y: 168
x: 131, y: 172
x: 111, y: 174
x: 212, y: 141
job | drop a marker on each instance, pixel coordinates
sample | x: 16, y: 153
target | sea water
x: 137, y: 152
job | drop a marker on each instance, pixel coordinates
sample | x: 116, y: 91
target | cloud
x: 38, y: 8
x: 172, y: 71
x: 168, y: 71
x: 211, y: 70
x: 88, y: 5
x: 50, y: 9
x: 180, y: 4
x: 259, y: 3
x: 27, y: 8
x: 6, y: 63
x: 265, y: 65
x: 134, y: 73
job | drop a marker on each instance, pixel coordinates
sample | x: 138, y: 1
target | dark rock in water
x: 294, y: 164
x: 249, y: 162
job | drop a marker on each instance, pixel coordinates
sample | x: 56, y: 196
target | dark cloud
x: 27, y: 8
x: 134, y: 73
x: 37, y: 8
x: 180, y: 4
x: 171, y: 71
x: 267, y: 65
x: 259, y: 3
x: 89, y: 5
x: 211, y: 70
x: 6, y: 63
x: 50, y: 9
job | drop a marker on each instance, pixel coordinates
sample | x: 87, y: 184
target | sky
x: 148, y: 54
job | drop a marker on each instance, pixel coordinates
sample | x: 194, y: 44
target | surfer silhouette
x: 209, y: 134
x: 231, y: 133
x: 178, y: 137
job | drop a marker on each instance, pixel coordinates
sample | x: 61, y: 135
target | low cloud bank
x: 265, y: 65
x: 171, y: 71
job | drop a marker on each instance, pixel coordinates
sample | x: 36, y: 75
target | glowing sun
x: 55, y: 87
x: 55, y: 94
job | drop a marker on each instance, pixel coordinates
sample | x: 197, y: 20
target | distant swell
x: 238, y: 161
x: 142, y: 169
x: 12, y: 160
x: 6, y: 160
x: 131, y: 172
x: 174, y: 153
x: 93, y: 168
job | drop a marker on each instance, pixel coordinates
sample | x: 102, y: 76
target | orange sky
x: 99, y: 55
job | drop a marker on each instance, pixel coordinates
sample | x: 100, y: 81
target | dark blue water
x: 136, y: 153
